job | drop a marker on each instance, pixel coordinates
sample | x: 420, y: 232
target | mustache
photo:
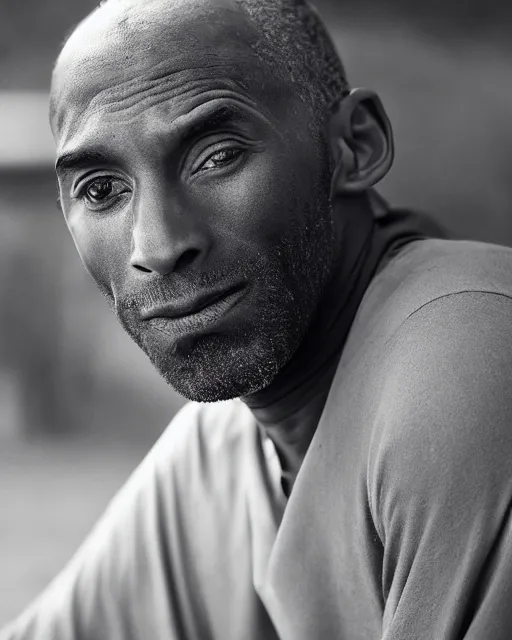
x: 158, y: 290
x: 166, y: 288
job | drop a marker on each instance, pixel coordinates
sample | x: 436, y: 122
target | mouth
x: 176, y: 320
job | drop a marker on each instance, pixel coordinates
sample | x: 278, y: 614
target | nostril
x: 186, y: 259
x: 143, y: 269
x: 166, y: 263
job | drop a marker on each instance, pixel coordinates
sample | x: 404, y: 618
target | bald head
x: 123, y: 43
x: 286, y: 37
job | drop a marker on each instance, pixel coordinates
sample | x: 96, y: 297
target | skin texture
x: 182, y: 225
x: 186, y: 167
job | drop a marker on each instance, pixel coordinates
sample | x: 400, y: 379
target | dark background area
x: 79, y: 404
x: 31, y: 32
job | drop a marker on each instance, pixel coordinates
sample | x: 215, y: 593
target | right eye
x: 102, y: 192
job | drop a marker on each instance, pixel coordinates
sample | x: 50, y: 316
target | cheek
x: 261, y: 201
x: 103, y: 245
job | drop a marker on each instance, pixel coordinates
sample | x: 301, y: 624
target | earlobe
x: 361, y: 142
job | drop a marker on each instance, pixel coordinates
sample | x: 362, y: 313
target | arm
x: 120, y: 584
x: 441, y: 480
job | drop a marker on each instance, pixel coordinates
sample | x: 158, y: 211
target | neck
x: 290, y: 408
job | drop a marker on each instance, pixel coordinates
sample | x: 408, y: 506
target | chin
x: 216, y: 367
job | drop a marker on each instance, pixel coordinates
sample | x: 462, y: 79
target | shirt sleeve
x: 120, y: 584
x: 441, y: 479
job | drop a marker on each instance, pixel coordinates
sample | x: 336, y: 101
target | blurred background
x: 79, y: 404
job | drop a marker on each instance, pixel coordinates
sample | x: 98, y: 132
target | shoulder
x: 443, y: 428
x: 451, y: 312
x: 202, y: 436
x: 212, y: 423
x: 448, y: 348
x: 432, y: 268
x: 188, y: 473
x: 423, y: 272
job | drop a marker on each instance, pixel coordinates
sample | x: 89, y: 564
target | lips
x: 191, y: 316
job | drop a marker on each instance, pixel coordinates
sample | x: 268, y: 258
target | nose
x: 166, y: 237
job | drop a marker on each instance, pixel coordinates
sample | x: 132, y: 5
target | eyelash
x: 82, y: 192
x: 237, y: 150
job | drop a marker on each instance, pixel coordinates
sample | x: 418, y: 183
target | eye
x: 101, y: 192
x: 221, y: 158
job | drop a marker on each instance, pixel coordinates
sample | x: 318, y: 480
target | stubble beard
x: 287, y: 286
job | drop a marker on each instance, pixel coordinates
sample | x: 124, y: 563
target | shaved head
x: 288, y: 36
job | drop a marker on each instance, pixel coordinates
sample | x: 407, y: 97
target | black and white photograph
x: 255, y: 320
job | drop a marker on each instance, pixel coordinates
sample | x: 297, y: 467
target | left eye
x: 221, y: 158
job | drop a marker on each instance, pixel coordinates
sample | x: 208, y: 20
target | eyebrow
x: 79, y: 160
x: 212, y: 121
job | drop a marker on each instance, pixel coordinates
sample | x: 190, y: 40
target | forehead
x: 127, y: 57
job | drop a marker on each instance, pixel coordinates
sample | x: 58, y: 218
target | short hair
x: 295, y: 42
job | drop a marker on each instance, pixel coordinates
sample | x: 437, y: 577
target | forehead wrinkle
x: 180, y: 125
x: 144, y: 94
x: 233, y: 106
x: 131, y: 98
x: 159, y: 83
x: 99, y: 56
x: 161, y: 108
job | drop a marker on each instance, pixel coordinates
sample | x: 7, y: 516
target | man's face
x: 195, y: 192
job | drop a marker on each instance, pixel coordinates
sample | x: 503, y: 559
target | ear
x: 361, y: 141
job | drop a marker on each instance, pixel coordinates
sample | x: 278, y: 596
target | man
x: 217, y: 174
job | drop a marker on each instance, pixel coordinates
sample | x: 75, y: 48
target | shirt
x: 399, y: 523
